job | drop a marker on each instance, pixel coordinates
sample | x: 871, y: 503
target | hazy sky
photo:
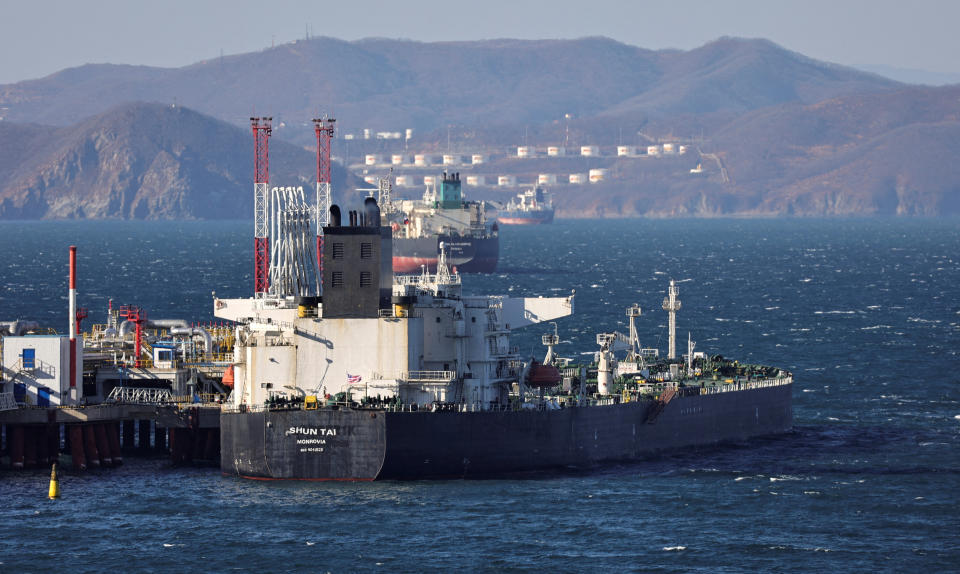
x: 41, y: 37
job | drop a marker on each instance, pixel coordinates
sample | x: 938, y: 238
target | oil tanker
x: 406, y: 377
x: 443, y: 216
x: 532, y: 207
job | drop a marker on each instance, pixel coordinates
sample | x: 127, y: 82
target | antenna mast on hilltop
x: 323, y: 127
x: 261, y: 178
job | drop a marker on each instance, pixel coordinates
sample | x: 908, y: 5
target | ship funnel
x: 373, y: 212
x: 334, y: 216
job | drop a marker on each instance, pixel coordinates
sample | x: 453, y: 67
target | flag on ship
x: 353, y: 378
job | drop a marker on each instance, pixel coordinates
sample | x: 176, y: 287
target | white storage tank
x: 429, y: 180
x: 475, y: 180
x: 371, y: 179
x: 398, y: 159
x: 366, y: 133
x: 421, y: 159
x: 598, y: 175
x: 547, y: 179
x: 409, y: 133
x: 682, y: 150
x: 372, y: 159
x: 668, y: 148
x: 478, y: 158
x: 556, y: 151
x: 506, y: 180
x: 589, y: 151
x: 404, y: 180
x: 626, y: 151
x: 578, y: 178
x: 451, y: 159
x: 653, y: 150
x: 524, y: 151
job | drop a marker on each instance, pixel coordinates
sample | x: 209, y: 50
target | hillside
x: 870, y: 154
x: 396, y: 84
x: 775, y: 132
x: 856, y: 155
x: 140, y: 161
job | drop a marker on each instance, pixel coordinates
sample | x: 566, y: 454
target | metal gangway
x: 137, y: 395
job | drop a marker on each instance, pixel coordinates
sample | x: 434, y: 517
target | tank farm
x: 137, y: 385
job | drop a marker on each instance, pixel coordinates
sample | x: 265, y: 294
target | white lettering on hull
x: 311, y: 445
x: 308, y: 431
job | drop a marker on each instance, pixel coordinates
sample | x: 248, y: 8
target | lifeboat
x: 541, y: 375
x: 228, y: 377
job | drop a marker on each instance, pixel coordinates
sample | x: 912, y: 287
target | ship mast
x: 261, y: 208
x: 633, y: 312
x: 671, y: 305
x: 323, y: 129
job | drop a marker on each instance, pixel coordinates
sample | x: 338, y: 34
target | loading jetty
x: 131, y: 386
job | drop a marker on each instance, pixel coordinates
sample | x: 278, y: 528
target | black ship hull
x: 374, y: 444
x: 467, y: 254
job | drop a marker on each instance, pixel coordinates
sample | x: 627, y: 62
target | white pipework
x: 190, y: 331
x: 126, y: 327
x: 18, y: 327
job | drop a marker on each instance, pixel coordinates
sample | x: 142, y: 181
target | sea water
x: 865, y: 313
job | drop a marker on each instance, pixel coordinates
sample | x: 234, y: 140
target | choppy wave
x: 875, y: 412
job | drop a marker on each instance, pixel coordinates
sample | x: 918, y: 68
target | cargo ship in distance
x: 406, y: 377
x: 532, y: 207
x: 442, y: 216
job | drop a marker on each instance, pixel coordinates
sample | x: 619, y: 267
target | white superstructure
x: 433, y: 345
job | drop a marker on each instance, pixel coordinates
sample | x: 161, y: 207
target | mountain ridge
x: 777, y: 133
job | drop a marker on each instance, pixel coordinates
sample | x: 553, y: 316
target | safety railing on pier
x: 7, y: 402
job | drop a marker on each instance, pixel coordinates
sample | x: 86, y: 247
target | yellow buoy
x: 54, y: 483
